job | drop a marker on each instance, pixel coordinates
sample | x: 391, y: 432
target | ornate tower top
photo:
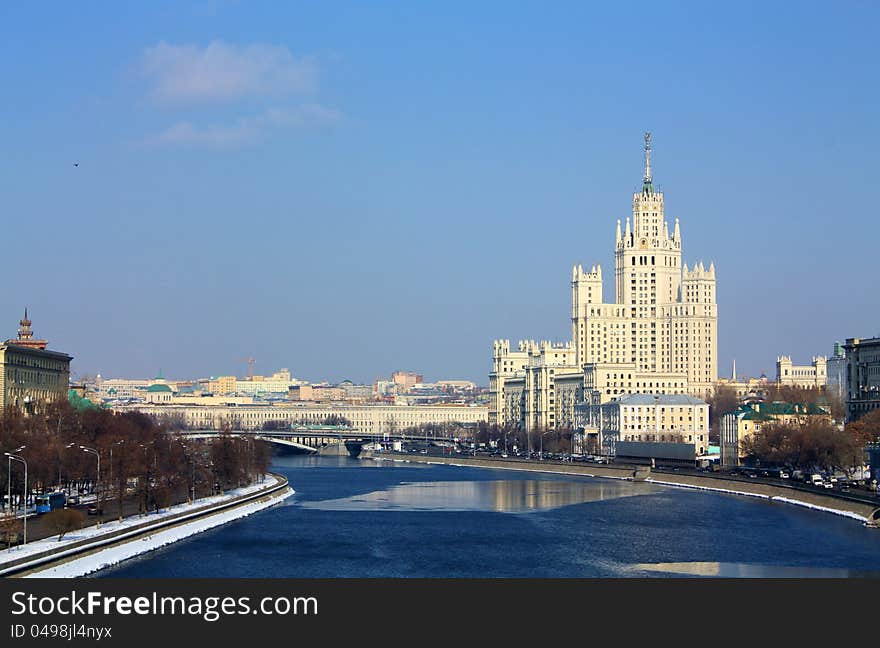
x: 648, y: 186
x: 26, y: 336
x: 24, y: 329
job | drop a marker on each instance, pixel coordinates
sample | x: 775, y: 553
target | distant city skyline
x: 349, y: 190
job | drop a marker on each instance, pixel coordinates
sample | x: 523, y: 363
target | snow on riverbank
x: 113, y: 555
x: 772, y: 498
x: 52, y: 543
x: 850, y: 514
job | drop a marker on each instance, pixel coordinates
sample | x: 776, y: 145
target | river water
x: 363, y: 518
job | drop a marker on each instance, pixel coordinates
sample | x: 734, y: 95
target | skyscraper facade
x: 659, y: 335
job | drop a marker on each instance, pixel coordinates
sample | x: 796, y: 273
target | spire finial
x: 648, y: 181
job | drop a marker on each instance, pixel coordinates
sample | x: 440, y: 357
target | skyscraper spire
x: 648, y: 186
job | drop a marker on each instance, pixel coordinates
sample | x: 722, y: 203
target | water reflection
x: 749, y: 570
x: 513, y: 496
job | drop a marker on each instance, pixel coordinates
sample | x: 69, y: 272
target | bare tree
x: 721, y: 401
x: 62, y: 521
x: 10, y: 529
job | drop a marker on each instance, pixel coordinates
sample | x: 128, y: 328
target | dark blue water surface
x: 363, y: 518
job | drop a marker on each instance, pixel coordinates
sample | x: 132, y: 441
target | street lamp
x: 148, y: 476
x: 98, y: 484
x: 188, y: 454
x: 9, y: 477
x: 543, y: 434
x: 13, y: 457
x: 120, y: 492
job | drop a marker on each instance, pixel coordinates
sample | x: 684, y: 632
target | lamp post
x: 188, y: 454
x: 147, y: 474
x: 98, y: 484
x: 9, y: 476
x: 69, y: 445
x: 13, y: 457
x: 543, y: 434
x: 120, y: 492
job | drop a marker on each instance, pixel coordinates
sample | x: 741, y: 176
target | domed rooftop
x: 157, y: 388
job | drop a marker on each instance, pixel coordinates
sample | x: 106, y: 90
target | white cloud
x: 185, y: 133
x: 247, y: 129
x: 305, y: 115
x: 224, y: 72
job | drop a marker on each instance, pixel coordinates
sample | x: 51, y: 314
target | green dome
x: 154, y: 389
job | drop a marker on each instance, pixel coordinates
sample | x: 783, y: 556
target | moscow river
x: 363, y: 518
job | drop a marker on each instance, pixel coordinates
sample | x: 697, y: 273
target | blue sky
x: 346, y: 189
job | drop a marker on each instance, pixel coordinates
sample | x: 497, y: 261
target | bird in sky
x: 76, y: 164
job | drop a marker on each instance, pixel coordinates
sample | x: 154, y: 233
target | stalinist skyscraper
x: 659, y: 335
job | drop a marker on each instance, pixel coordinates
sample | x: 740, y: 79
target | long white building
x: 658, y: 336
x: 370, y: 419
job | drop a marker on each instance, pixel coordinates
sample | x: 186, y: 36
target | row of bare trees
x: 557, y: 440
x: 815, y: 442
x: 724, y: 400
x: 140, y: 458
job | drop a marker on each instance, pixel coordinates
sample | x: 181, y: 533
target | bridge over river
x: 326, y: 439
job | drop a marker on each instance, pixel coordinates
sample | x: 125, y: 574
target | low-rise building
x: 524, y: 384
x: 30, y: 375
x: 300, y: 393
x: 737, y: 426
x: 159, y: 394
x: 406, y: 380
x: 672, y: 428
x: 369, y: 419
x: 813, y: 375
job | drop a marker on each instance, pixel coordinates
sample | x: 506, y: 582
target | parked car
x: 94, y: 510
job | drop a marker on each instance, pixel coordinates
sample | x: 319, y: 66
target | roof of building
x: 12, y: 346
x: 158, y: 387
x: 79, y: 403
x: 762, y: 411
x: 660, y: 399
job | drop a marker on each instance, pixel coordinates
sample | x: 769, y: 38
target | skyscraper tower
x: 663, y: 320
x: 659, y: 335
